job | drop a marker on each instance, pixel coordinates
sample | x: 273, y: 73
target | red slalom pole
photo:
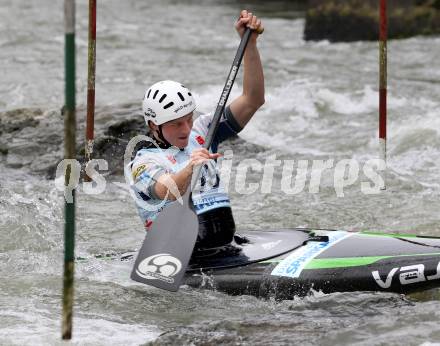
x: 91, y: 83
x: 383, y: 33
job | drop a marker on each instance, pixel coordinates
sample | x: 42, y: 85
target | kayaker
x: 168, y: 109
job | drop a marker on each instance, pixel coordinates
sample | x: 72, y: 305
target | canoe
x: 292, y: 262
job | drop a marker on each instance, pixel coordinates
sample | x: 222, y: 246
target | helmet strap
x: 158, y: 137
x: 162, y: 138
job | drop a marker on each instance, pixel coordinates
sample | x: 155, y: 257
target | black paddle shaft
x: 223, y: 99
x: 227, y: 88
x: 166, y: 250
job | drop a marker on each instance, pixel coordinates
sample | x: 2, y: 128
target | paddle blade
x: 167, y: 248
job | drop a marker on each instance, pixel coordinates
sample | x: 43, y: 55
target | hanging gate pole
x: 91, y: 83
x: 69, y: 153
x: 383, y: 32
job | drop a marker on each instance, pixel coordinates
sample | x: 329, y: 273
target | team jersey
x: 151, y: 162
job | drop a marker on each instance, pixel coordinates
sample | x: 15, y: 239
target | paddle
x: 167, y: 248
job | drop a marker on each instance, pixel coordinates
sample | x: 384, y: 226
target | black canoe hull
x: 322, y: 260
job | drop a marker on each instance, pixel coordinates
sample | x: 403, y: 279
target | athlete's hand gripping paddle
x: 167, y: 248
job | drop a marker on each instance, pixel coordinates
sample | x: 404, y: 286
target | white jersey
x: 151, y: 162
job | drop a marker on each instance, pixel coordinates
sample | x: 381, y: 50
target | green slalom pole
x: 69, y: 153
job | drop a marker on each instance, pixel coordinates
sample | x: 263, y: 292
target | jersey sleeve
x: 228, y: 126
x: 145, y: 171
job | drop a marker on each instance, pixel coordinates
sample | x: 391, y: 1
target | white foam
x: 207, y: 99
x: 37, y: 329
x: 295, y: 97
x: 359, y: 102
x: 288, y: 110
x: 419, y: 131
x: 292, y: 98
x: 103, y: 332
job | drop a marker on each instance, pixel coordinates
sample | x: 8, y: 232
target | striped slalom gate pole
x: 383, y: 31
x: 69, y: 153
x: 91, y: 83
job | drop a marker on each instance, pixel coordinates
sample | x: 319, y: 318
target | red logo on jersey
x: 172, y: 159
x: 148, y: 224
x: 200, y: 140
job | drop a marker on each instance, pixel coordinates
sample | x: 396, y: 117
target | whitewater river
x: 321, y: 103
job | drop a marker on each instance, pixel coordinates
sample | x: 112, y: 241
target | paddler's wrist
x: 189, y: 169
x: 252, y: 44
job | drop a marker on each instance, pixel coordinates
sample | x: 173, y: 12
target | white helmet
x: 167, y: 100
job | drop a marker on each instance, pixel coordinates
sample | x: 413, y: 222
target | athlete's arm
x: 252, y: 98
x: 172, y: 186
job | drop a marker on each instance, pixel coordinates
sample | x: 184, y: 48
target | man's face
x: 177, y: 131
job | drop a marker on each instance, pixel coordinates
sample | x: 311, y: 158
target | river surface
x: 321, y: 103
